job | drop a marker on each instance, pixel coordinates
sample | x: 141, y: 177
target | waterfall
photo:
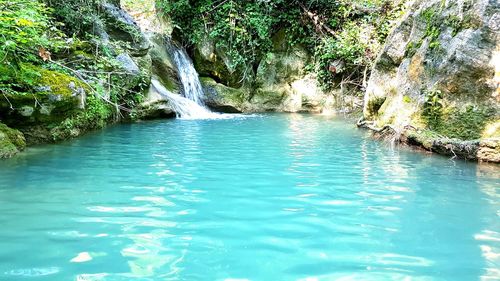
x: 188, y: 76
x: 184, y: 108
x: 190, y: 104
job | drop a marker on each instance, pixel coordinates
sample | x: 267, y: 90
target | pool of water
x: 273, y: 197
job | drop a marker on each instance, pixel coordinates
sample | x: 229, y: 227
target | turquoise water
x: 275, y: 197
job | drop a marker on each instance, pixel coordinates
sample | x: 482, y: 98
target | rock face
x: 162, y: 69
x: 440, y: 71
x: 11, y: 141
x: 116, y: 24
x: 279, y: 81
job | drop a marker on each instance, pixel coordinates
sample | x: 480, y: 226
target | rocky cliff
x: 279, y: 81
x: 436, y: 81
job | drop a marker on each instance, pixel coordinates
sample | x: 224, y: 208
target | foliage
x: 11, y: 141
x: 433, y: 108
x: 412, y: 48
x: 460, y: 23
x: 350, y: 31
x: 78, y: 15
x: 432, y: 19
x: 468, y: 123
x: 433, y: 24
x: 38, y: 59
x: 96, y: 116
x: 25, y: 27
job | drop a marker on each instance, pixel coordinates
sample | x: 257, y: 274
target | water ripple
x: 278, y: 197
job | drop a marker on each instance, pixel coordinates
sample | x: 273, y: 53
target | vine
x: 347, y: 31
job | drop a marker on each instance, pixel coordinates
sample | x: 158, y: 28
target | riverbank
x: 486, y: 150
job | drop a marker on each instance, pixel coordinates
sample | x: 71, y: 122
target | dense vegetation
x: 344, y: 36
x: 27, y: 30
x: 50, y: 48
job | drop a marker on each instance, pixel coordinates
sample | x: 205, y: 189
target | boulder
x: 55, y: 95
x: 221, y: 98
x: 212, y: 61
x: 163, y: 66
x: 11, y: 141
x: 128, y: 64
x: 154, y: 106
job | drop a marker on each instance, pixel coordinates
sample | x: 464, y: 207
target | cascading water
x: 190, y: 104
x: 183, y: 107
x: 188, y: 76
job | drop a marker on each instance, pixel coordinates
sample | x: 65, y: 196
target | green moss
x: 374, y: 105
x: 433, y: 21
x: 11, y: 141
x: 95, y: 116
x: 7, y: 149
x: 29, y: 78
x: 59, y: 83
x: 272, y: 98
x: 458, y: 24
x: 412, y: 48
x: 465, y: 124
x: 424, y: 138
x: 230, y: 95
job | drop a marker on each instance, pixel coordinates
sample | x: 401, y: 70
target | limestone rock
x: 154, y: 106
x: 222, y: 98
x: 489, y: 150
x: 163, y: 69
x: 439, y: 70
x: 162, y: 65
x: 211, y: 61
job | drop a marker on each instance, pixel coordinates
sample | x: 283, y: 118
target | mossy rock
x: 215, y: 67
x: 269, y: 99
x: 222, y: 98
x: 44, y: 96
x: 373, y: 106
x: 96, y: 115
x: 11, y: 141
x: 35, y: 79
x: 282, y: 67
x: 466, y: 123
x: 211, y: 60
